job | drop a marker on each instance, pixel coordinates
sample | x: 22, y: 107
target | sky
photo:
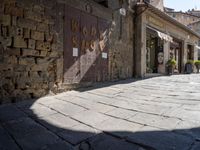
x: 183, y: 5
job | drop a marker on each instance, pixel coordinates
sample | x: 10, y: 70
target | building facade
x: 56, y: 45
x: 160, y: 37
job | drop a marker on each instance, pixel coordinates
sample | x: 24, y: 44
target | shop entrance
x: 176, y: 53
x: 154, y: 50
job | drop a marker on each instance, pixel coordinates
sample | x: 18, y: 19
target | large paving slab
x: 161, y: 113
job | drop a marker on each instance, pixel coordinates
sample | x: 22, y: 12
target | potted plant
x: 189, y: 66
x: 171, y: 64
x: 197, y: 64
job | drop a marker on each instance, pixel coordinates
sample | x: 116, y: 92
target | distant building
x: 194, y: 12
x: 166, y: 9
x: 183, y: 17
x: 158, y: 4
x: 195, y: 26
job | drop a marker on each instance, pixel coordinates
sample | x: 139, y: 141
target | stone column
x: 166, y: 50
x: 140, y: 45
x: 195, y: 53
x: 184, y: 56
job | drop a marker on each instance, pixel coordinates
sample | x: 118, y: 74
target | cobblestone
x: 160, y: 113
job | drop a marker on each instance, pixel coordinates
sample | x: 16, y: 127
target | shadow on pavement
x: 24, y: 127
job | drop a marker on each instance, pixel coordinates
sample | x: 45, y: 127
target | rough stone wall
x: 31, y: 45
x: 31, y: 48
x: 121, y: 43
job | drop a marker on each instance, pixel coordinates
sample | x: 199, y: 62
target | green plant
x: 197, y: 62
x: 190, y: 62
x: 171, y: 62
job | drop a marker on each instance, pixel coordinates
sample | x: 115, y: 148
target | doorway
x: 86, y: 47
x: 176, y: 54
x: 154, y: 48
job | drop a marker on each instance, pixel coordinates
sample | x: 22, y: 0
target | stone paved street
x: 161, y: 113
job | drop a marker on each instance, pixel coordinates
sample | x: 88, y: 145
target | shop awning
x: 162, y: 35
x: 198, y: 47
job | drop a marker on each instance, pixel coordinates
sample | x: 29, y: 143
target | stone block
x: 49, y: 20
x: 39, y: 92
x: 49, y: 37
x: 28, y: 52
x: 23, y: 84
x: 27, y: 33
x: 43, y: 46
x: 1, y: 9
x: 12, y: 51
x: 39, y: 85
x: 43, y: 53
x: 85, y: 132
x: 10, y: 60
x: 21, y: 75
x: 53, y: 54
x: 14, y: 20
x: 9, y: 113
x: 34, y: 74
x: 42, y: 27
x: 31, y: 44
x: 5, y: 20
x: 40, y: 67
x: 35, y: 35
x: 33, y: 16
x: 15, y: 31
x: 6, y: 41
x: 5, y: 67
x: 9, y: 2
x: 20, y: 68
x: 14, y: 11
x: 6, y: 141
x: 26, y: 4
x: 26, y: 61
x: 8, y: 74
x: 26, y: 23
x: 19, y: 42
x: 50, y: 12
x: 38, y: 8
x: 4, y: 31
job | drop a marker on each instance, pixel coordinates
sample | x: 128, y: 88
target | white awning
x: 198, y: 47
x: 162, y: 35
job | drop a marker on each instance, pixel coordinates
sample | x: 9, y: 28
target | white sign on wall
x: 104, y: 55
x: 75, y: 52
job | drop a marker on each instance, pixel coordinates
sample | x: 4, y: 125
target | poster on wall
x: 75, y: 52
x: 160, y: 57
x: 104, y: 55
